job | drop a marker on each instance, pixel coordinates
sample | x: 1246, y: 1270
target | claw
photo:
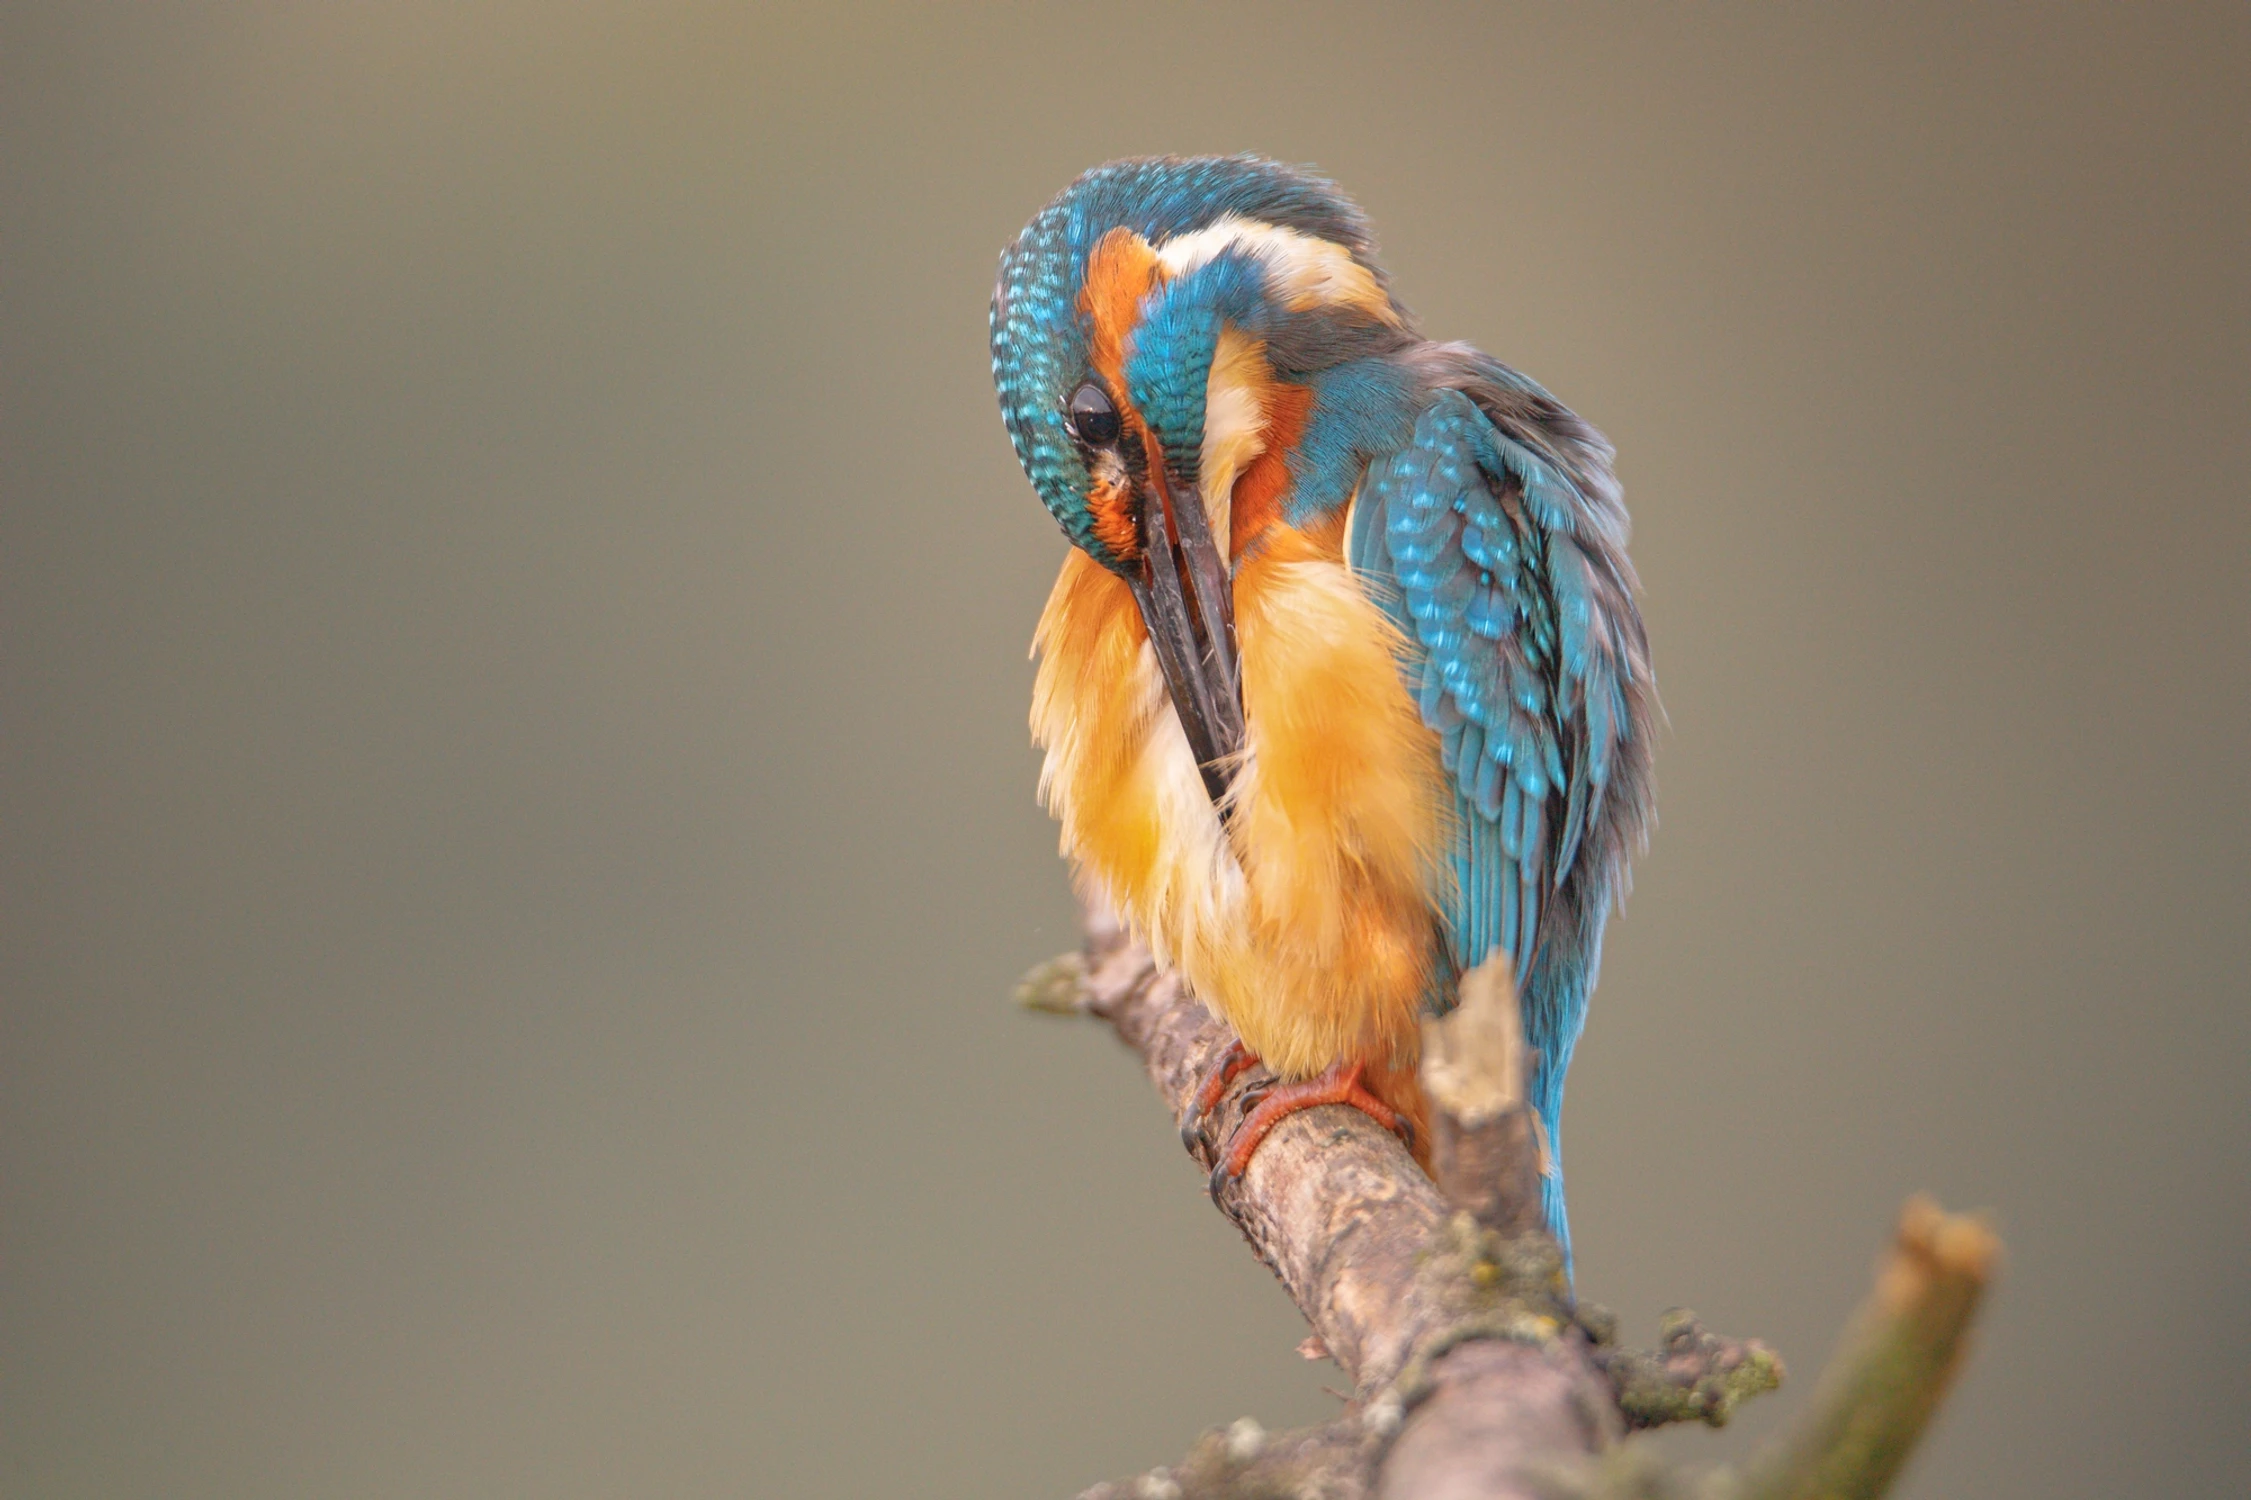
x: 1219, y: 1180
x: 1233, y: 1063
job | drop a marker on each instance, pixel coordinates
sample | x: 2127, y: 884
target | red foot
x: 1233, y: 1064
x: 1340, y: 1085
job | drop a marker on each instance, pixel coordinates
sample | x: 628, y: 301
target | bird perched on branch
x: 1342, y: 689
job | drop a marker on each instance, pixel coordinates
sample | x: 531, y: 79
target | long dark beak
x: 1188, y: 602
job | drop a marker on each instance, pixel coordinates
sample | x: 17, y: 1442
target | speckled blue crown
x: 1038, y: 336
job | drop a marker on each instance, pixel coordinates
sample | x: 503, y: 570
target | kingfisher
x: 1343, y: 689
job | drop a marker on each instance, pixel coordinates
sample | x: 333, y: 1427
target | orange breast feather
x: 1308, y: 921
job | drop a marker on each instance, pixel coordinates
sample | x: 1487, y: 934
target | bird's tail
x: 1557, y: 1024
x: 1551, y: 1192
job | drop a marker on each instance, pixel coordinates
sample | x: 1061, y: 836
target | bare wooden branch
x: 1892, y: 1367
x: 1331, y: 1201
x: 1473, y: 1371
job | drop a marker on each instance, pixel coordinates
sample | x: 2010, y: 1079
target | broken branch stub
x: 1485, y: 1147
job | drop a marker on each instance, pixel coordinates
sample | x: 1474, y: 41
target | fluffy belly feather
x: 1308, y: 920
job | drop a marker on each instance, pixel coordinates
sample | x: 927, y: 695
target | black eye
x: 1092, y: 416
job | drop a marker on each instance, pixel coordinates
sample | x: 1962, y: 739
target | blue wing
x: 1506, y: 571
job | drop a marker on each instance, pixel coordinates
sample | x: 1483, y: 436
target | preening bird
x: 1343, y: 688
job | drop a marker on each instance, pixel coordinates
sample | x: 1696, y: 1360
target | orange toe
x: 1233, y: 1064
x: 1342, y: 1084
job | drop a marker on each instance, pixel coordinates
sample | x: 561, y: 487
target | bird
x: 1343, y: 689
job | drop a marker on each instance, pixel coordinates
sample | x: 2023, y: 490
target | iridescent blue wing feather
x: 1506, y: 571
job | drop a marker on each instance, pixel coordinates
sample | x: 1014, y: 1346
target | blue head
x: 1143, y: 266
x: 1151, y: 332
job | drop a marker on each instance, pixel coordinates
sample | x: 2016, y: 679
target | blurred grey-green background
x: 518, y: 828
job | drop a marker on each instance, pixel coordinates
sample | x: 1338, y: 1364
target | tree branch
x: 1892, y: 1367
x: 1692, y: 1376
x: 1445, y: 1302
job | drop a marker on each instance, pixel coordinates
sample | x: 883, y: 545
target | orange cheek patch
x: 1256, y: 502
x: 1120, y: 271
x: 1112, y: 506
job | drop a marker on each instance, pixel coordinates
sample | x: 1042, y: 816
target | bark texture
x: 1474, y: 1373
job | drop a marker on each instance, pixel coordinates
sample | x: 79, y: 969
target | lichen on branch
x: 1474, y: 1371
